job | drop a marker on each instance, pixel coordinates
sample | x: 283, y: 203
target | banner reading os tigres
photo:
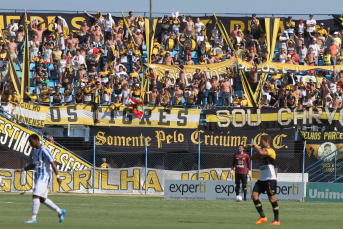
x: 267, y: 117
x: 15, y: 138
x: 36, y: 115
x: 218, y: 69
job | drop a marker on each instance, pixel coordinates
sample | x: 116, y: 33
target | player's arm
x: 54, y: 167
x: 258, y: 151
x: 27, y: 168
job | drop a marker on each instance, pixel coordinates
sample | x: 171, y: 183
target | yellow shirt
x: 34, y: 98
x: 116, y: 106
x: 45, y: 95
x: 322, y: 32
x: 319, y: 80
x: 134, y: 74
x: 244, y: 102
x: 278, y: 76
x: 108, y: 91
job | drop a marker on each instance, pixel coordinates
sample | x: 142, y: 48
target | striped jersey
x: 42, y: 159
x: 267, y: 169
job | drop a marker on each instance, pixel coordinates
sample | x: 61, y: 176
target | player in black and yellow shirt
x: 97, y: 91
x: 267, y: 180
x: 57, y: 96
x: 33, y: 97
x: 115, y: 106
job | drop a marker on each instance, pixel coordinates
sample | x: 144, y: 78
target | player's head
x: 266, y: 141
x: 241, y: 148
x: 34, y: 141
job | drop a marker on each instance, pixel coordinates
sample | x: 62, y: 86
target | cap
x: 197, y: 69
x: 321, y: 23
x: 314, y: 39
x: 50, y: 36
x: 289, y: 55
x: 311, y: 15
x: 136, y: 85
x: 288, y: 87
x: 301, y: 19
x: 335, y: 32
x: 138, y: 31
x: 154, y: 86
x: 251, y: 36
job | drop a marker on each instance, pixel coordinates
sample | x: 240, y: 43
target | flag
x: 137, y: 107
x: 25, y: 77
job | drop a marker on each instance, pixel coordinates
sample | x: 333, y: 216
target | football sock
x: 258, y: 207
x: 275, y: 210
x: 52, y: 206
x: 237, y: 190
x: 245, y: 191
x: 35, y: 208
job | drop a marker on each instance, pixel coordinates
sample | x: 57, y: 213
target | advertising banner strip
x: 14, y: 138
x: 132, y: 181
x: 40, y: 116
x: 324, y: 192
x: 121, y: 139
x: 245, y: 117
x: 225, y: 190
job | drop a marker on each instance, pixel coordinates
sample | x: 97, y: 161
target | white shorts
x: 41, y: 189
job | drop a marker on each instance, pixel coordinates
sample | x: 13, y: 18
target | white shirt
x: 198, y: 26
x: 11, y: 27
x: 215, y: 33
x: 108, y: 24
x: 301, y: 28
x: 333, y: 87
x: 315, y: 49
x: 200, y: 39
x: 118, y: 74
x: 9, y: 109
x: 309, y: 102
x: 47, y: 55
x: 78, y: 59
x: 125, y: 95
x: 61, y: 43
x: 42, y: 159
x: 302, y: 54
x: 311, y: 28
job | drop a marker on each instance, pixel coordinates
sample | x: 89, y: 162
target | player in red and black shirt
x: 241, y: 161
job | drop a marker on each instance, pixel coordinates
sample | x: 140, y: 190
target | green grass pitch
x: 97, y: 212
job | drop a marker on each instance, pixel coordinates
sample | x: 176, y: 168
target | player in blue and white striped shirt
x: 42, y: 162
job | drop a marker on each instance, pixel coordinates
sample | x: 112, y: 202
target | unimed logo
x: 185, y: 188
x: 315, y: 193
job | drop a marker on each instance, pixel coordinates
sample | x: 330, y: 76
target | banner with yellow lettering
x: 14, y: 138
x: 172, y: 140
x: 120, y: 181
x: 36, y: 115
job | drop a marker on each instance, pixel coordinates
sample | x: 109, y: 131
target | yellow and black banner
x: 218, y: 69
x: 39, y: 116
x: 120, y: 139
x: 14, y: 138
x: 320, y: 146
x: 267, y: 117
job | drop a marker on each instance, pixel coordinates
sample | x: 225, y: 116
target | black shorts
x: 268, y: 186
x: 212, y: 98
x: 96, y: 106
x: 240, y: 177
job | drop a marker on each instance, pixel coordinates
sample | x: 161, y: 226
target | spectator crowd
x: 102, y: 64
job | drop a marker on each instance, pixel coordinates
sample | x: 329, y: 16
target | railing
x: 4, y: 114
x: 326, y: 168
x: 159, y: 14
